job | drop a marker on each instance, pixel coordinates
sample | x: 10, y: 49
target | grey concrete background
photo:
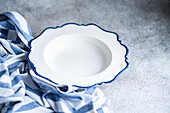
x: 143, y: 25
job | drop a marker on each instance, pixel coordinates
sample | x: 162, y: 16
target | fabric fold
x: 20, y: 91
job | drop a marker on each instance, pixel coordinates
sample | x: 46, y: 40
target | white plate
x: 78, y: 55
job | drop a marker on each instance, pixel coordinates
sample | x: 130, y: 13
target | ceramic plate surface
x: 78, y: 55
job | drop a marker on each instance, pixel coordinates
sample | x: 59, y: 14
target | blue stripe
x: 4, y: 72
x: 18, y: 90
x: 29, y: 106
x: 4, y: 56
x: 15, y: 49
x: 15, y: 80
x: 15, y: 64
x: 3, y: 36
x: 1, y: 60
x: 36, y: 92
x: 46, y: 87
x: 58, y: 98
x: 4, y: 85
x: 90, y: 91
x: 6, y: 49
x: 7, y: 25
x: 4, y: 33
x: 100, y: 110
x: 2, y: 50
x: 18, y: 39
x: 53, y: 97
x: 15, y: 42
x: 49, y: 108
x: 85, y: 108
x: 29, y: 29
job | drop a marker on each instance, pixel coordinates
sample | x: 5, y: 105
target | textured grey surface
x: 143, y: 25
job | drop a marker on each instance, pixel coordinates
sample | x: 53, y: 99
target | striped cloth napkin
x: 21, y: 92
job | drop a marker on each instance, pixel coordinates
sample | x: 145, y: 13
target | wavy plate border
x: 34, y: 68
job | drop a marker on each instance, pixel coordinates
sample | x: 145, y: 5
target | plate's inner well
x: 77, y: 55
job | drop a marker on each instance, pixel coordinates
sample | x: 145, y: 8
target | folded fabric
x: 21, y: 92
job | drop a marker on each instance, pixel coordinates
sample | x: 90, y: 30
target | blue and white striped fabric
x: 21, y: 92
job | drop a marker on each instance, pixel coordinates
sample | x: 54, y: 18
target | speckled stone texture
x: 143, y: 25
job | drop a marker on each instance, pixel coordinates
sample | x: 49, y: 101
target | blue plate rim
x: 105, y: 82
